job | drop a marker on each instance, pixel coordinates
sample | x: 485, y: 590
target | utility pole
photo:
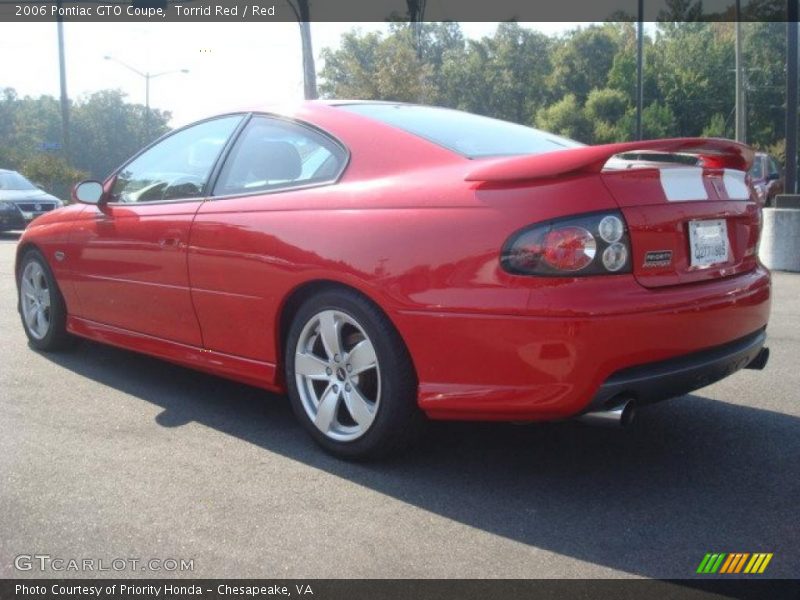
x: 416, y: 16
x: 640, y: 70
x: 791, y: 97
x: 62, y: 71
x: 302, y: 12
x: 309, y: 70
x: 741, y: 91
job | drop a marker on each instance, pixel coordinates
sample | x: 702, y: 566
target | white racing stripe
x: 735, y: 186
x: 683, y: 183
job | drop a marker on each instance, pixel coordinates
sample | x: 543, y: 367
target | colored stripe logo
x: 734, y: 562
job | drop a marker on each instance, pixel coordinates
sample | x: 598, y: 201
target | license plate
x: 28, y: 216
x: 708, y: 242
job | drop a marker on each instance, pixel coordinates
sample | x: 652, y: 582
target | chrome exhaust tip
x: 760, y: 361
x: 619, y: 415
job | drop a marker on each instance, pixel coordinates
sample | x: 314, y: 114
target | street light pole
x: 147, y: 76
x: 62, y: 72
x: 147, y: 104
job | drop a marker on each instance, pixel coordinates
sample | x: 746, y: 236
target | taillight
x: 568, y: 248
x: 590, y: 244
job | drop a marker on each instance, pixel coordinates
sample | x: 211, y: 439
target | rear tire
x: 41, y: 305
x: 350, y: 378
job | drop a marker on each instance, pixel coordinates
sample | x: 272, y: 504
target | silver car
x: 21, y: 201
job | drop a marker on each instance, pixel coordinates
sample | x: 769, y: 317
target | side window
x: 273, y: 153
x: 774, y: 169
x: 757, y: 170
x: 177, y: 167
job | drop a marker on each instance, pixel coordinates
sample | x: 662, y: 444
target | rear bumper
x: 658, y: 381
x: 483, y: 366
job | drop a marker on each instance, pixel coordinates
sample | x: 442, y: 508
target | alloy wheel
x: 338, y: 375
x: 36, y: 299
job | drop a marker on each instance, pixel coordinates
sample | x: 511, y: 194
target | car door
x: 131, y: 268
x: 244, y: 252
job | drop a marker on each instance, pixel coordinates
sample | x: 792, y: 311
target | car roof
x: 290, y: 108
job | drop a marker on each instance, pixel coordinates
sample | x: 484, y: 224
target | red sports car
x: 381, y: 262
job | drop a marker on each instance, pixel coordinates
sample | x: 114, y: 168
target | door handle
x: 169, y: 242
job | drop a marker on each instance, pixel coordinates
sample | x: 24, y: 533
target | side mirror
x: 88, y: 192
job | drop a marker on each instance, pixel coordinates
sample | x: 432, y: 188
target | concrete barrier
x: 780, y: 239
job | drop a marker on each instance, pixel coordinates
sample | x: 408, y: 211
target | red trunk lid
x: 661, y: 205
x: 677, y: 215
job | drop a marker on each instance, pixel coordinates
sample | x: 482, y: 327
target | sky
x: 231, y: 65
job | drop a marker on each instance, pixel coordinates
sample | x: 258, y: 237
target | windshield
x: 470, y: 135
x: 11, y: 180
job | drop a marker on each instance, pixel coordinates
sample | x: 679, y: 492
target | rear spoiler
x: 715, y: 152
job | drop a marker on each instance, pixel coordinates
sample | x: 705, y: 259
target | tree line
x: 581, y: 84
x: 105, y: 130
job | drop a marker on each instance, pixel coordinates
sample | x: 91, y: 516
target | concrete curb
x: 780, y: 239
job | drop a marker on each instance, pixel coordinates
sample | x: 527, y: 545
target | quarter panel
x: 424, y: 240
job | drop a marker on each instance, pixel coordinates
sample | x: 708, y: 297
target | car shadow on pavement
x: 693, y: 475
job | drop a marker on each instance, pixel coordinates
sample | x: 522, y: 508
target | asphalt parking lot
x: 107, y: 454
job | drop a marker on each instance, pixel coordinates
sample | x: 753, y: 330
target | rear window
x: 470, y: 135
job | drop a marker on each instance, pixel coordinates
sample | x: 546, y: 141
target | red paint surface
x: 204, y: 283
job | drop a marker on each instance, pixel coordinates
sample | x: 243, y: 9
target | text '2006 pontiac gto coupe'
x: 381, y: 262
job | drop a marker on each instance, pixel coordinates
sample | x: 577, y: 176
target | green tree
x: 583, y: 59
x: 375, y: 67
x: 503, y: 76
x: 52, y: 172
x: 717, y: 127
x: 104, y: 128
x: 403, y: 65
x: 106, y: 131
x: 764, y: 49
x: 348, y: 70
x: 606, y: 109
x: 694, y: 72
x: 622, y: 75
x: 681, y: 11
x: 658, y: 121
x: 567, y: 118
x: 435, y: 40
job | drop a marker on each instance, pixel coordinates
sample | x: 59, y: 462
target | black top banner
x: 394, y: 10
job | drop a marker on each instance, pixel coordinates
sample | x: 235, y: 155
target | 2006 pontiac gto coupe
x: 380, y: 262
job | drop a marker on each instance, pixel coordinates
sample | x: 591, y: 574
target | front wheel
x: 41, y: 306
x: 350, y: 377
